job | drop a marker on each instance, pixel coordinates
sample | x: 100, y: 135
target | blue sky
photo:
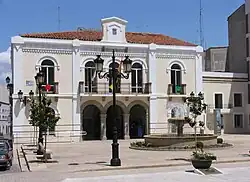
x: 177, y: 18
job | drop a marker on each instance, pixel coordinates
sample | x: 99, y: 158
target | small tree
x: 42, y: 115
x: 196, y: 107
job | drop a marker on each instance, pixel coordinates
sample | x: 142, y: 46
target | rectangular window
x: 247, y: 29
x: 248, y: 93
x: 248, y: 70
x: 238, y: 100
x: 218, y: 101
x: 238, y: 121
x: 247, y: 46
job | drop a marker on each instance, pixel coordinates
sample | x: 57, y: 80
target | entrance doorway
x: 137, y: 122
x: 119, y: 122
x: 91, y: 123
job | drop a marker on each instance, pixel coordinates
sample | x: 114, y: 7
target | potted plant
x: 201, y: 159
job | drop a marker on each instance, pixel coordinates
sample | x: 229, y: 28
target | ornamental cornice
x: 109, y: 54
x: 175, y: 56
x: 47, y: 51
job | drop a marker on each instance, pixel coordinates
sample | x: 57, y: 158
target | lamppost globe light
x: 7, y: 80
x: 20, y: 95
x: 98, y: 63
x: 200, y: 95
x: 192, y: 94
x: 127, y: 64
x: 39, y: 77
x: 31, y: 94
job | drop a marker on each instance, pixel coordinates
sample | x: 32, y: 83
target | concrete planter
x: 201, y: 164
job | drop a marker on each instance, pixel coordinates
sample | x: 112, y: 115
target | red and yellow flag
x: 118, y: 81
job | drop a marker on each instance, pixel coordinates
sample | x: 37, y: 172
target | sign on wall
x: 29, y: 83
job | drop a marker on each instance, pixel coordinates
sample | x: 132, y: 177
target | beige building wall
x: 226, y: 84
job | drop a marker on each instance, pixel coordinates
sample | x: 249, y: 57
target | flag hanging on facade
x: 118, y: 80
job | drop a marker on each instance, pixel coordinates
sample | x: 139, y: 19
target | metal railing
x: 223, y: 106
x: 53, y: 90
x: 65, y: 133
x: 106, y: 88
x: 176, y: 89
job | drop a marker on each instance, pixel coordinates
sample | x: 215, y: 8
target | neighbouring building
x: 216, y: 59
x: 4, y: 111
x: 160, y: 64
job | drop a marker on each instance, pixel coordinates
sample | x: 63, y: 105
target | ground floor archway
x: 91, y: 122
x: 137, y: 122
x: 119, y: 122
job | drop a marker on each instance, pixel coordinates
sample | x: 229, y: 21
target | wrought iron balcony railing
x: 106, y: 88
x: 220, y: 106
x: 54, y: 88
x: 176, y: 89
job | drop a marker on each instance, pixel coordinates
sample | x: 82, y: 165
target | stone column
x: 18, y: 81
x: 147, y: 123
x: 76, y: 118
x: 126, y: 126
x: 103, y: 118
x: 153, y: 96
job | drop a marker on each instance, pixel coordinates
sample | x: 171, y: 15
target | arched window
x: 48, y: 68
x: 176, y: 78
x: 137, y: 78
x: 118, y: 83
x: 90, y: 80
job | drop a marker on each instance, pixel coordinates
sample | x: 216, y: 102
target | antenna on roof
x: 59, y: 17
x: 201, y: 26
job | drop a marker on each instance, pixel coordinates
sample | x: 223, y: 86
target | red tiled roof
x: 92, y: 35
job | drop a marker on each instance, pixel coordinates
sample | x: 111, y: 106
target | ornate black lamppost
x: 114, y: 75
x: 39, y: 81
x: 10, y: 88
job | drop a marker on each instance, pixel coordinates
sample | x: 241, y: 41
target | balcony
x: 53, y: 90
x: 123, y: 88
x: 225, y: 108
x: 175, y: 90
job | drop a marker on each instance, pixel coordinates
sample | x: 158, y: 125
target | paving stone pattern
x: 230, y: 175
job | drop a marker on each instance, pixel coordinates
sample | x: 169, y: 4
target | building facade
x: 216, y: 59
x: 4, y: 118
x: 164, y: 71
x: 4, y: 111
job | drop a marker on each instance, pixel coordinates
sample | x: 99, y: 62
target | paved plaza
x: 92, y: 164
x: 95, y: 155
x: 232, y: 173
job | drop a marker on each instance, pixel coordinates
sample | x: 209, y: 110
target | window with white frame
x: 114, y: 31
x: 175, y: 77
x: 218, y: 101
x: 237, y: 100
x: 48, y: 69
x: 90, y: 82
x: 136, y: 78
x: 238, y: 121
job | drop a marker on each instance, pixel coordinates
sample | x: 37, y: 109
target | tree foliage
x: 196, y: 107
x: 41, y: 115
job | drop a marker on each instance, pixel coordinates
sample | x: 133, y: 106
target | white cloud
x: 5, y: 56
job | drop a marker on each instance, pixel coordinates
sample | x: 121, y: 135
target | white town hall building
x: 159, y: 64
